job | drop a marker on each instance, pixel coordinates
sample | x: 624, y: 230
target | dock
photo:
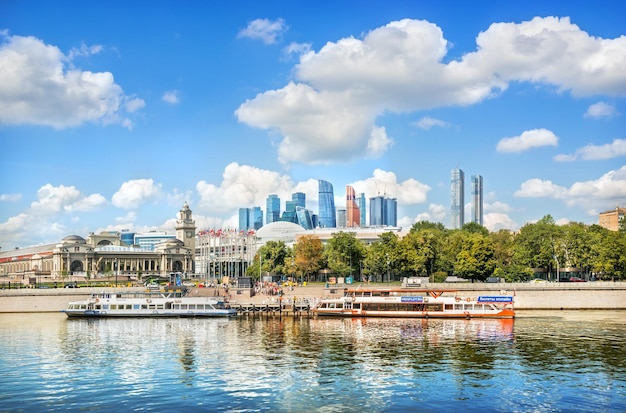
x: 273, y: 309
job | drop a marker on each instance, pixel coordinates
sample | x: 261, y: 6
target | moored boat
x: 148, y: 304
x: 415, y: 303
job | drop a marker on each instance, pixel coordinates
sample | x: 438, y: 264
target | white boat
x: 415, y: 303
x: 148, y: 304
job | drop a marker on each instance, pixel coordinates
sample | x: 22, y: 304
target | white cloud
x: 242, y: 186
x: 39, y: 85
x: 436, y: 213
x: 427, y: 122
x: 614, y: 149
x: 134, y: 104
x: 171, y: 96
x: 497, y: 206
x: 327, y: 114
x: 495, y: 221
x: 408, y: 192
x: 10, y: 197
x: 601, y: 110
x: 88, y: 203
x: 133, y: 193
x: 609, y: 189
x: 268, y: 31
x: 534, y: 138
x: 297, y: 49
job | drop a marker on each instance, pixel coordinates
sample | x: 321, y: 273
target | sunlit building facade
x: 353, y: 214
x: 457, y: 190
x: 272, y: 208
x: 477, y: 199
x: 327, y: 216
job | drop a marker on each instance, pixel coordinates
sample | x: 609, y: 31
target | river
x: 558, y: 361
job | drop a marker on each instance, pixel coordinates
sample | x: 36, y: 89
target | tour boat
x: 415, y: 303
x: 148, y: 304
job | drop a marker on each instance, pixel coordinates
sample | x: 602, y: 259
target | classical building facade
x: 101, y: 255
x: 610, y: 219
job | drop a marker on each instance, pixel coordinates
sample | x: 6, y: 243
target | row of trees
x: 431, y: 250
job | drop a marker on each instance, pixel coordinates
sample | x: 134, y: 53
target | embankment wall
x: 549, y: 296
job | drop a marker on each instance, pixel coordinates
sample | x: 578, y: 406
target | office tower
x: 244, y: 219
x: 477, y: 199
x: 383, y: 211
x: 256, y: 218
x: 353, y: 215
x: 290, y: 212
x: 457, y: 189
x: 327, y: 217
x: 299, y: 198
x: 273, y: 208
x: 304, y: 218
x: 360, y: 200
x: 341, y: 217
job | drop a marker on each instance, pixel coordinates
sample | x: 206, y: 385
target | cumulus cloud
x: 408, y: 192
x: 427, y: 122
x: 268, y: 31
x: 495, y: 221
x: 609, y: 189
x: 297, y: 49
x: 436, y: 213
x: 171, y: 96
x: 53, y: 199
x: 614, y: 149
x: 601, y: 110
x: 136, y: 192
x: 534, y: 138
x: 328, y: 112
x: 40, y: 85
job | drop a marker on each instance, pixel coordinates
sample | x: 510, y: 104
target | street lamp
x: 558, y: 276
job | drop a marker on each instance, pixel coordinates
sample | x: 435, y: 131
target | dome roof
x: 279, y: 231
x: 171, y: 242
x: 74, y: 239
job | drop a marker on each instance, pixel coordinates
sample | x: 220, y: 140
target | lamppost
x: 388, y: 277
x: 558, y: 275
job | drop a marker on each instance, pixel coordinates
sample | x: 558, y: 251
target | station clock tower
x: 186, y: 228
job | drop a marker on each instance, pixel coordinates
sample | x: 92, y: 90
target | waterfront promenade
x: 528, y: 296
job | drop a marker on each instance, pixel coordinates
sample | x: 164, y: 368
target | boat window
x: 183, y: 306
x: 144, y: 306
x: 160, y: 307
x: 136, y: 307
x: 151, y: 307
x: 192, y: 306
x: 356, y: 306
x: 448, y: 306
x: 105, y: 307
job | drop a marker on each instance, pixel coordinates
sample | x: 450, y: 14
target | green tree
x: 309, y: 255
x: 383, y: 260
x: 343, y: 253
x: 476, y: 259
x: 475, y: 228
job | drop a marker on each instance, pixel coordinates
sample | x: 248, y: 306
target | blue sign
x: 412, y: 299
x: 495, y: 299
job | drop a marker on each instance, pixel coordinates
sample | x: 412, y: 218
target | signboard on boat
x: 411, y: 299
x: 495, y: 299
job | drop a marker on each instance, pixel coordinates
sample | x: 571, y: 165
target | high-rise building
x: 250, y: 218
x: 457, y: 190
x: 341, y: 217
x: 383, y: 211
x: 360, y: 200
x: 272, y: 208
x: 290, y: 212
x: 353, y: 215
x: 304, y: 218
x: 299, y: 198
x: 477, y: 199
x: 327, y: 217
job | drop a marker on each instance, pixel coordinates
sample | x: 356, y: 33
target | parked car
x: 538, y: 281
x: 577, y: 280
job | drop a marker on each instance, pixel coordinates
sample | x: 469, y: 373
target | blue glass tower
x: 477, y: 199
x: 383, y: 211
x: 299, y: 198
x: 360, y: 200
x: 327, y: 217
x: 272, y: 208
x: 457, y: 189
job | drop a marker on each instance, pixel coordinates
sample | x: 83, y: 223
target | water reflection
x: 554, y: 361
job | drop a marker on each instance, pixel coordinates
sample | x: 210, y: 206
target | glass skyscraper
x: 477, y: 199
x: 383, y: 211
x: 327, y: 217
x: 299, y: 198
x: 457, y: 190
x: 360, y: 200
x: 273, y: 208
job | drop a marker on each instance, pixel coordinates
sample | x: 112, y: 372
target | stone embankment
x: 545, y: 296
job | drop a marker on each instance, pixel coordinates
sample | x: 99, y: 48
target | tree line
x: 472, y: 252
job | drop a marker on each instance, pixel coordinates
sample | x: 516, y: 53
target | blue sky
x: 113, y: 114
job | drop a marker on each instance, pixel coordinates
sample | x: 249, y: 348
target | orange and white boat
x: 414, y: 303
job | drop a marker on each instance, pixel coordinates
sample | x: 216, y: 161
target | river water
x: 540, y: 362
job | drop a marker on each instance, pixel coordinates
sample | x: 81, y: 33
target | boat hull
x: 148, y: 314
x: 401, y: 314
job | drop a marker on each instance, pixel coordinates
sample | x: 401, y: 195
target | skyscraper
x: 383, y: 211
x: 457, y: 189
x: 353, y: 216
x: 299, y: 198
x: 360, y: 200
x: 273, y: 208
x: 327, y: 217
x: 477, y: 199
x: 250, y: 218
